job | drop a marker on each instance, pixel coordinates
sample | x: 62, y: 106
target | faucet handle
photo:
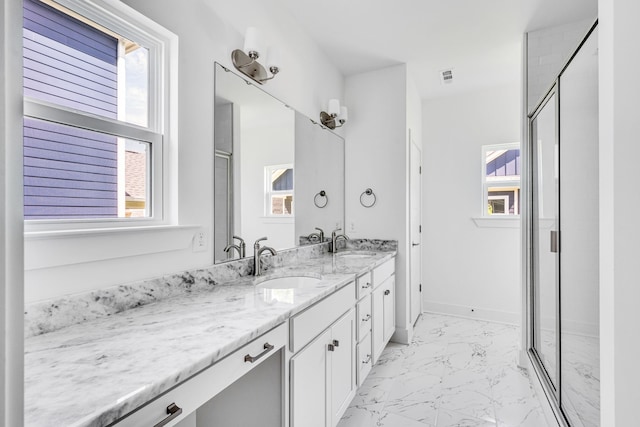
x: 336, y: 230
x: 257, y: 243
x: 239, y: 238
x: 319, y: 229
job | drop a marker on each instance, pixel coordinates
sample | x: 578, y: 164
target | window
x: 279, y: 190
x: 501, y: 179
x: 96, y: 129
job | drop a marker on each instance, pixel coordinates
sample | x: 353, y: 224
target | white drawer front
x: 364, y: 359
x: 364, y: 284
x: 196, y: 391
x: 364, y: 317
x: 307, y: 325
x: 382, y: 272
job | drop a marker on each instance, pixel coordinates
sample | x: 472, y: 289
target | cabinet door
x: 342, y: 366
x: 377, y: 327
x: 389, y: 298
x: 309, y: 384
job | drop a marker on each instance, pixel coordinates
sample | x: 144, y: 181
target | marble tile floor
x: 456, y: 372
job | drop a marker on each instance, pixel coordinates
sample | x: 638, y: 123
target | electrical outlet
x: 352, y: 227
x: 200, y: 241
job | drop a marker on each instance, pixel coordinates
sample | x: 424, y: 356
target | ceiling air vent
x: 446, y: 76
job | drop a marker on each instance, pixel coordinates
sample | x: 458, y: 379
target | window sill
x: 511, y: 221
x: 44, y: 249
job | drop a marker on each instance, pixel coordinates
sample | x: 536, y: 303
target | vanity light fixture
x: 335, y: 116
x: 246, y: 60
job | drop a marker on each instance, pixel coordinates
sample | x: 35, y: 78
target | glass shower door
x: 579, y: 199
x: 545, y: 215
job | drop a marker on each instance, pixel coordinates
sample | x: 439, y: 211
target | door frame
x: 414, y: 149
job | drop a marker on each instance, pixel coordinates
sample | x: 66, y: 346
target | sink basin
x: 355, y: 255
x: 291, y: 282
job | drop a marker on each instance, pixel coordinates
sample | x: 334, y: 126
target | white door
x: 415, y: 204
x: 309, y: 384
x: 343, y: 358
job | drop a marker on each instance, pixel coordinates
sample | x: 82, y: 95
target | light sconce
x: 335, y: 116
x: 246, y: 60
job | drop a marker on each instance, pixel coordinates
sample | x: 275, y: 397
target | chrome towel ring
x: 365, y: 198
x: 320, y: 198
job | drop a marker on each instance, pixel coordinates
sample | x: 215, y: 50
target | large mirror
x: 277, y: 173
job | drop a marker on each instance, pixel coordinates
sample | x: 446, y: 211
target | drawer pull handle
x: 387, y: 292
x: 174, y: 411
x: 366, y: 319
x: 367, y: 360
x: 331, y: 347
x: 336, y: 343
x: 367, y: 285
x: 267, y: 348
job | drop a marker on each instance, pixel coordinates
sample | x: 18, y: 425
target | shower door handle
x: 554, y: 241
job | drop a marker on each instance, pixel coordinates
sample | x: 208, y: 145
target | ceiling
x: 480, y: 40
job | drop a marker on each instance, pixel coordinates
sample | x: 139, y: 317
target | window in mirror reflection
x: 279, y: 190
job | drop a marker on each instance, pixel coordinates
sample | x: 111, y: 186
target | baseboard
x: 473, y: 312
x: 402, y: 336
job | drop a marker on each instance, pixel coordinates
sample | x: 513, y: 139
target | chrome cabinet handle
x: 387, y: 292
x: 267, y: 348
x: 174, y: 411
x: 366, y: 319
x: 368, y: 285
x: 367, y: 360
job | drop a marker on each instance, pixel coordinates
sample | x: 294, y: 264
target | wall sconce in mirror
x: 246, y: 60
x: 335, y: 116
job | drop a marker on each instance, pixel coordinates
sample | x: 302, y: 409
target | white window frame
x: 499, y: 182
x: 268, y: 192
x: 161, y: 132
x: 505, y: 199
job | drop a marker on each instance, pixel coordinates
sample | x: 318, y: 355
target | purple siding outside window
x: 68, y: 172
x: 507, y: 164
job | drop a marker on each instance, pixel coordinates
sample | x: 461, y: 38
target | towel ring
x: 317, y: 200
x: 368, y: 192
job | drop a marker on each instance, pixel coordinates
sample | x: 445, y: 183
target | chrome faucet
x: 319, y: 235
x: 257, y: 252
x: 240, y: 247
x: 334, y: 239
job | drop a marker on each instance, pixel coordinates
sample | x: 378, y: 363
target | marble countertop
x: 95, y: 372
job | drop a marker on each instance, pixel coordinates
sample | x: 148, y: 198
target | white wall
x: 11, y: 247
x: 208, y: 32
x: 466, y: 267
x: 619, y: 206
x: 376, y: 158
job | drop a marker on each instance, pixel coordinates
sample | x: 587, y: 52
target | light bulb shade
x: 251, y: 38
x: 334, y: 107
x: 344, y: 114
x: 273, y: 59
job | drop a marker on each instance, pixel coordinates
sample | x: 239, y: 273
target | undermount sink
x: 354, y: 255
x: 291, y: 282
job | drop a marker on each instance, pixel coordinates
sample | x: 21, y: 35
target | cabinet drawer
x: 364, y: 284
x: 364, y: 317
x: 308, y: 324
x: 364, y: 359
x: 382, y: 272
x: 197, y: 390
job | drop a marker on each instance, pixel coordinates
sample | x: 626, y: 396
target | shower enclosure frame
x: 553, y: 393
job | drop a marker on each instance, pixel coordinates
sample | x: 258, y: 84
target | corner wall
x: 376, y: 157
x: 468, y: 270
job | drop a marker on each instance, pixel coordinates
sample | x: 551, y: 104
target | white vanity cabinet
x: 322, y: 370
x: 218, y: 395
x: 383, y: 307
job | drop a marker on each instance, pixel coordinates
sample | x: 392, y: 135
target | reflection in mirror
x: 319, y: 167
x: 269, y: 163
